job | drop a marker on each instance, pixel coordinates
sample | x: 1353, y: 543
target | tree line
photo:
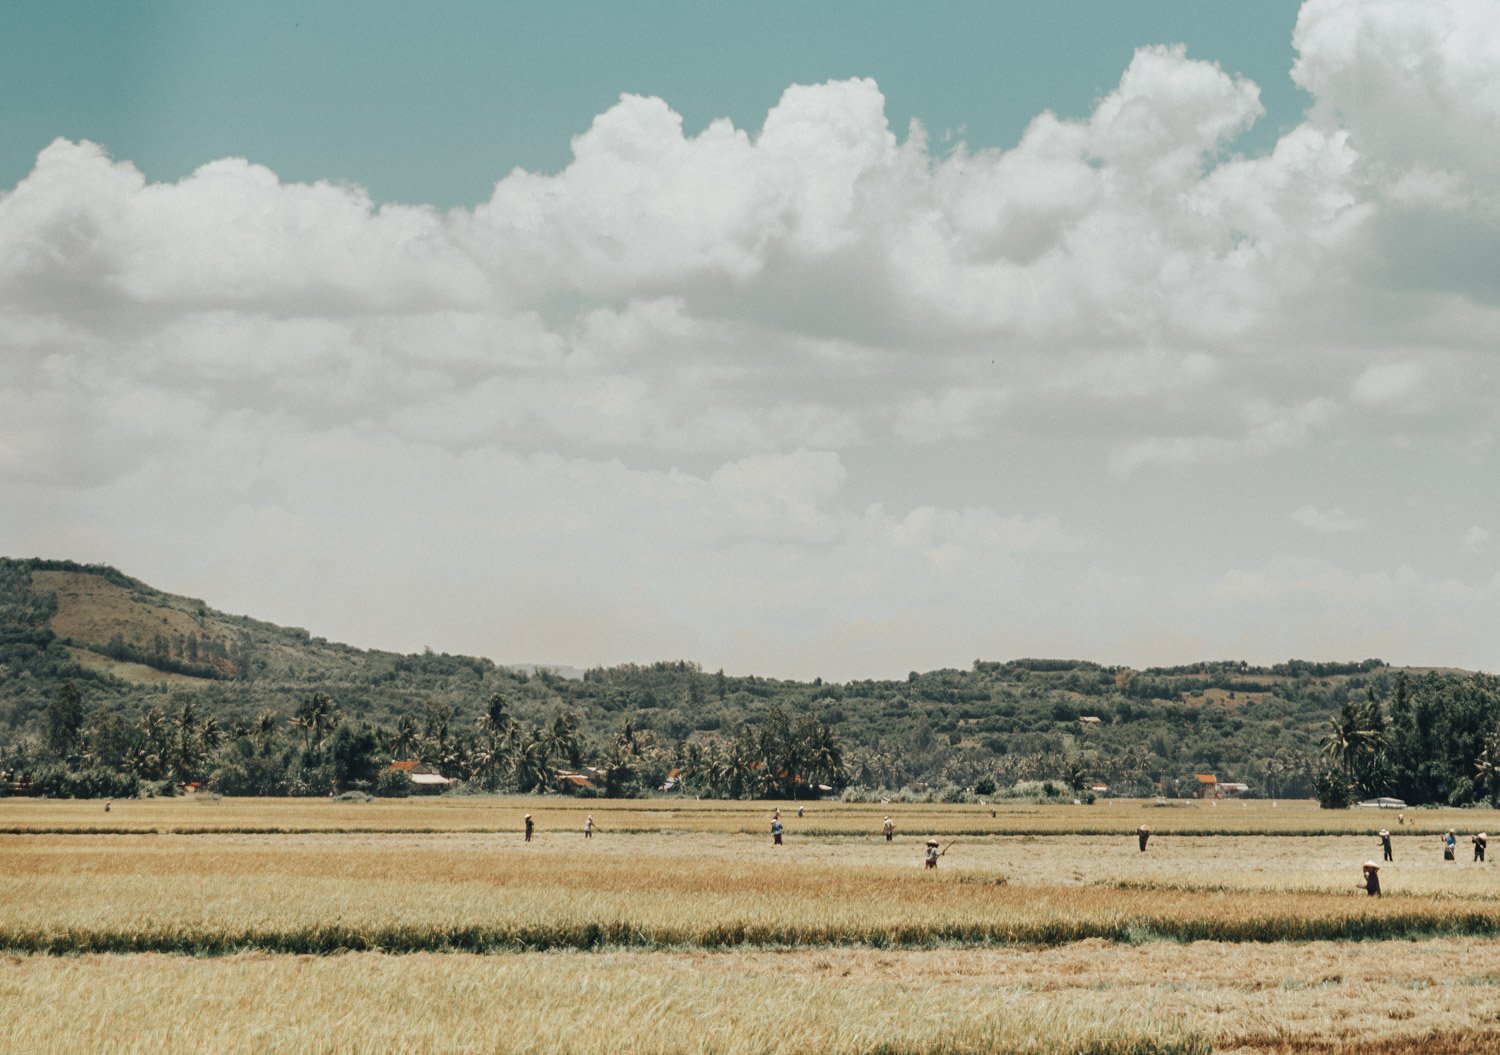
x: 1438, y: 743
x: 316, y: 751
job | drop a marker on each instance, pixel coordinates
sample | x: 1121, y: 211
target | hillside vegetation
x: 100, y: 671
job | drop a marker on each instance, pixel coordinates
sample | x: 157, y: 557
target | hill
x: 129, y: 648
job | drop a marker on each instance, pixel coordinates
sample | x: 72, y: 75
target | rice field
x: 206, y: 813
x: 1435, y: 998
x: 430, y: 925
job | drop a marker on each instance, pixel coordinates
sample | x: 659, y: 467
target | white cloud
x: 1325, y: 521
x: 663, y: 399
x: 1387, y: 382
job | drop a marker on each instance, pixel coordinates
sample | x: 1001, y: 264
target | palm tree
x: 264, y: 725
x: 627, y: 739
x: 1341, y: 743
x: 562, y: 737
x: 531, y: 760
x: 825, y: 756
x: 405, y: 738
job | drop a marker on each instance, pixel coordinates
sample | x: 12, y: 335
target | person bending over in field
x: 1143, y: 833
x: 1479, y: 841
x: 529, y: 827
x: 932, y: 853
x: 1371, y: 885
x: 889, y: 827
x: 776, y: 829
x: 1450, y: 843
x: 1385, y: 843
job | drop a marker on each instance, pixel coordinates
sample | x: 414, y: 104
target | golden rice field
x: 191, y: 814
x: 1393, y: 998
x: 268, y: 926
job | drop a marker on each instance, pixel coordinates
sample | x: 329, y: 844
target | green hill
x: 130, y: 648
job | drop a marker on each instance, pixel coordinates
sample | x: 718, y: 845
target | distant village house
x: 1210, y: 787
x: 423, y: 776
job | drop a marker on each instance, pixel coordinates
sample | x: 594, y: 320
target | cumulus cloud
x: 820, y: 359
x: 1386, y: 382
x: 1325, y: 521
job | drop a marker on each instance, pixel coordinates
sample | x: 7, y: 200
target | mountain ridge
x: 130, y: 646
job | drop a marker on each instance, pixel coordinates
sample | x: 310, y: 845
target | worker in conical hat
x: 529, y: 827
x: 1143, y: 833
x: 932, y: 852
x: 1479, y: 841
x: 1371, y: 885
x: 1385, y: 843
x: 889, y: 828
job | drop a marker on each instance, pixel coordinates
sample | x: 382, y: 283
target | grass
x: 675, y: 931
x: 219, y: 894
x: 190, y: 815
x: 1087, y: 997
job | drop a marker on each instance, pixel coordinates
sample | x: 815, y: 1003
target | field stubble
x: 1091, y: 997
x: 707, y: 940
x: 483, y: 814
x: 223, y: 893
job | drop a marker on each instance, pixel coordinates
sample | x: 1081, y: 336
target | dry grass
x: 1089, y: 997
x: 326, y: 892
x: 90, y: 608
x: 557, y: 814
x: 704, y: 940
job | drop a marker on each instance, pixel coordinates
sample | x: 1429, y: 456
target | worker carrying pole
x: 933, y: 853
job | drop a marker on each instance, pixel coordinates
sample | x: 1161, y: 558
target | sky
x: 832, y: 340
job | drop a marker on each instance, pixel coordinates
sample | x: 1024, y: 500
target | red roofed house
x: 422, y: 775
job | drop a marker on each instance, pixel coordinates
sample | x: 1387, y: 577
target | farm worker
x: 1449, y: 843
x: 777, y: 814
x: 1371, y: 885
x: 799, y: 811
x: 1400, y: 818
x: 588, y: 827
x: 1479, y: 842
x: 107, y: 805
x: 528, y: 827
x: 1143, y: 833
x: 776, y: 830
x: 932, y: 852
x: 889, y: 827
x: 1385, y: 843
x: 992, y: 813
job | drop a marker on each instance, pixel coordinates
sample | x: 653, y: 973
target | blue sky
x: 597, y: 333
x: 435, y: 103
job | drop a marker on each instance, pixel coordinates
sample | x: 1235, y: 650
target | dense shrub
x: 1334, y: 790
x: 57, y: 782
x: 393, y: 784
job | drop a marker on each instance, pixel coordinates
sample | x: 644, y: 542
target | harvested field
x: 1119, y: 817
x: 312, y: 893
x: 1087, y: 997
x: 674, y: 931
